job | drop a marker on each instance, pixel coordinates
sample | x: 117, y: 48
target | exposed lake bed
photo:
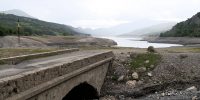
x: 171, y: 78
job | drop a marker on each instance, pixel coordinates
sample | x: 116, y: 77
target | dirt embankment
x: 48, y: 41
x: 176, y: 76
x: 174, y: 40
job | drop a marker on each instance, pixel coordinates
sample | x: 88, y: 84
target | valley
x: 153, y: 59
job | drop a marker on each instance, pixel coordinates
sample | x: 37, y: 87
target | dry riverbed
x: 175, y: 76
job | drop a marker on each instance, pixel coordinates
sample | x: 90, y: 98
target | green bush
x: 151, y: 49
x: 141, y: 60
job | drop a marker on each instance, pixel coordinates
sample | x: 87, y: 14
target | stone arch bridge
x: 54, y: 75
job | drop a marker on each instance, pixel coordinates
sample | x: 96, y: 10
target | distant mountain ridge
x: 30, y: 26
x: 122, y: 28
x: 17, y: 12
x: 152, y: 30
x: 188, y: 28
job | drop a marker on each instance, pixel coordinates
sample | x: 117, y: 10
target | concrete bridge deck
x: 29, y: 79
x: 10, y: 70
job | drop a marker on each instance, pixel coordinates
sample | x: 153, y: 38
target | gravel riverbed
x: 176, y: 77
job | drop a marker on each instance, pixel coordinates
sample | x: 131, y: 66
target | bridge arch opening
x: 83, y: 91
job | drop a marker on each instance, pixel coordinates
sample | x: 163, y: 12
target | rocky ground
x: 175, y: 77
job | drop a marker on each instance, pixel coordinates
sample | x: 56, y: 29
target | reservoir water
x: 137, y: 43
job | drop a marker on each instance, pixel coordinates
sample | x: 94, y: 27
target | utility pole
x: 18, y: 30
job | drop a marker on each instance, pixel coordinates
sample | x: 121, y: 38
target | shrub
x: 151, y: 49
x: 145, y: 60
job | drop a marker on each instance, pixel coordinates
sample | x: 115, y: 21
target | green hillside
x: 188, y: 28
x: 30, y: 26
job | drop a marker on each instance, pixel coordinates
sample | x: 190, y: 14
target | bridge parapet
x: 18, y: 59
x: 65, y: 74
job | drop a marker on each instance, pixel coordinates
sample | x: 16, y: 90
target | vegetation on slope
x: 145, y: 60
x: 188, y: 28
x: 30, y: 26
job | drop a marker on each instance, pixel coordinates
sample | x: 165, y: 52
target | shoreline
x: 185, y: 41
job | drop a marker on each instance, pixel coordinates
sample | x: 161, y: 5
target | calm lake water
x: 135, y: 42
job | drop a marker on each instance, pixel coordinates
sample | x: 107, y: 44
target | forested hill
x: 30, y: 26
x: 188, y: 28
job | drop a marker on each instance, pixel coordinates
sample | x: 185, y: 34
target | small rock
x: 123, y: 61
x: 142, y: 69
x: 128, y: 56
x: 182, y: 56
x: 133, y: 55
x: 151, y: 66
x: 131, y: 83
x: 121, y: 97
x: 194, y: 98
x: 193, y: 88
x: 121, y: 78
x: 108, y: 98
x: 163, y: 94
x: 169, y: 94
x: 171, y: 64
x: 149, y: 74
x: 147, y: 61
x: 128, y: 71
x: 140, y: 82
x: 135, y: 76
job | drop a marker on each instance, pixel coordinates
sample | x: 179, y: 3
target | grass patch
x: 195, y: 49
x: 2, y: 62
x: 145, y: 60
x: 9, y: 52
x: 183, y: 50
x: 69, y: 37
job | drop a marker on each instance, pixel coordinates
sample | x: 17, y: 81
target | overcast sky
x: 104, y: 13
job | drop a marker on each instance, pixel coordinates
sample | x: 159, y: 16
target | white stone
x: 135, y: 75
x: 147, y: 61
x: 151, y: 66
x: 131, y: 83
x: 142, y: 69
x: 121, y: 78
x: 193, y: 88
x: 194, y: 98
x: 149, y: 74
x: 163, y: 94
